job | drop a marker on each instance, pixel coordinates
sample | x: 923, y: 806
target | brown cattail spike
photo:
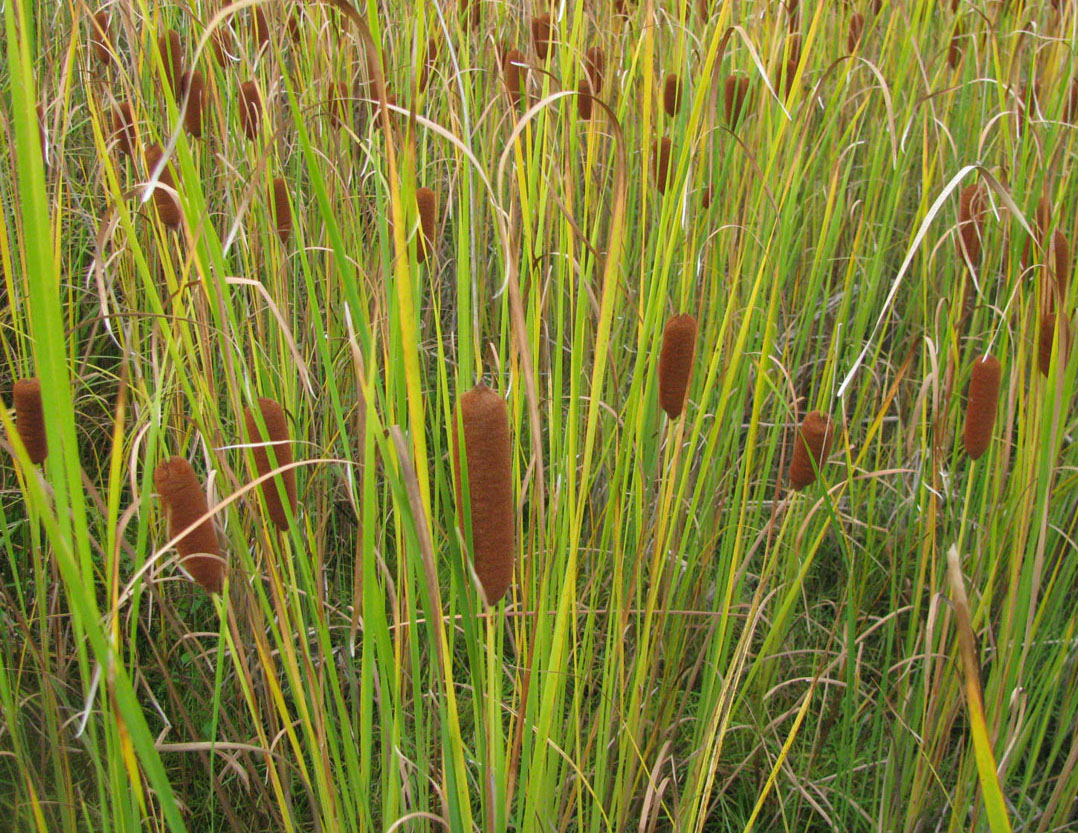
x: 675, y: 363
x: 954, y: 51
x: 30, y: 419
x: 123, y: 128
x: 470, y: 12
x: 99, y: 37
x: 981, y: 405
x: 541, y: 28
x: 260, y: 27
x: 184, y: 503
x: 811, y: 449
x: 250, y: 109
x: 484, y: 427
x: 271, y: 457
x: 168, y: 209
x: 427, y: 208
x: 735, y: 92
x: 583, y: 100
x: 672, y: 95
x: 516, y: 74
x: 194, y: 86
x: 1047, y: 336
x: 282, y: 211
x: 971, y: 223
x: 857, y: 28
x: 171, y: 51
x: 595, y: 66
x: 1061, y: 264
x: 662, y: 164
x: 429, y: 63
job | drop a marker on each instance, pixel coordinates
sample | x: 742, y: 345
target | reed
x: 194, y: 86
x: 516, y: 75
x: 672, y: 95
x: 811, y: 449
x: 100, y: 37
x: 971, y: 211
x: 541, y: 40
x: 981, y: 405
x: 583, y: 100
x: 427, y: 207
x: 171, y: 50
x: 676, y: 363
x: 595, y: 66
x: 857, y: 28
x: 250, y: 109
x: 184, y: 503
x: 662, y: 164
x: 276, y: 433
x: 30, y: 419
x: 735, y: 92
x: 123, y: 128
x: 168, y: 209
x: 484, y: 425
x: 282, y: 209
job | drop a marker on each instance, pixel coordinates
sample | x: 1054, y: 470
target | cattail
x: 470, y: 12
x: 811, y: 449
x: 516, y: 74
x: 30, y: 419
x: 282, y: 211
x: 1061, y: 262
x: 541, y: 28
x: 1042, y: 220
x: 971, y: 222
x: 735, y: 92
x: 171, y: 51
x: 250, y: 109
x: 293, y: 25
x: 123, y: 128
x: 194, y: 86
x: 705, y: 200
x: 662, y: 164
x: 981, y: 405
x: 273, y: 417
x: 167, y: 207
x: 1044, y: 352
x: 672, y: 95
x: 857, y: 27
x: 484, y: 425
x: 1072, y: 102
x: 621, y: 7
x: 583, y: 100
x: 595, y: 65
x: 788, y: 69
x: 675, y: 363
x: 260, y: 27
x: 427, y: 208
x: 428, y: 64
x: 184, y: 503
x: 99, y: 37
x: 954, y: 51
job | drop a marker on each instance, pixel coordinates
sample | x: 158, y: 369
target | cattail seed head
x: 735, y: 91
x: 470, y: 11
x: 171, y: 51
x: 484, y: 424
x: 971, y: 223
x: 675, y: 363
x: 276, y: 432
x: 429, y: 63
x: 294, y: 25
x: 583, y: 100
x: 427, y: 208
x: 282, y: 211
x: 595, y: 66
x: 168, y: 209
x: 250, y: 109
x: 516, y: 74
x: 1042, y: 220
x: 123, y: 128
x: 194, y: 86
x: 100, y: 37
x: 981, y: 405
x: 1061, y: 263
x: 954, y: 51
x: 184, y: 502
x: 672, y: 94
x: 30, y: 419
x: 1047, y: 336
x: 811, y: 449
x: 662, y: 164
x: 857, y: 28
x: 541, y: 28
x: 260, y: 27
x: 705, y: 200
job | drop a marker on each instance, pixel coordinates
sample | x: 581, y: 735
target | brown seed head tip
x: 99, y: 37
x: 250, y: 109
x: 857, y: 27
x: 662, y: 164
x: 516, y: 73
x: 194, y: 86
x: 541, y: 28
x: 171, y: 51
x: 484, y: 420
x: 672, y: 94
x: 811, y: 449
x: 981, y: 405
x: 427, y: 208
x: 583, y: 100
x: 735, y: 91
x: 675, y: 363
x: 282, y: 211
x: 30, y: 419
x: 276, y: 423
x: 184, y: 503
x: 595, y: 65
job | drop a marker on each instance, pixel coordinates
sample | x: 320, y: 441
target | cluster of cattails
x: 484, y: 426
x: 168, y: 209
x: 541, y: 30
x: 194, y: 90
x: 100, y: 37
x: 171, y: 51
x: 427, y: 208
x: 273, y: 442
x: 672, y: 94
x: 676, y: 363
x: 595, y: 66
x: 30, y: 419
x: 184, y: 502
x: 857, y: 28
x: 282, y: 210
x: 735, y: 91
x: 250, y: 109
x: 662, y: 164
x: 515, y: 72
x: 971, y: 210
x: 981, y: 405
x: 123, y: 128
x: 811, y: 449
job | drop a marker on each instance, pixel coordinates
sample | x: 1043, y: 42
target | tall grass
x: 685, y: 643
